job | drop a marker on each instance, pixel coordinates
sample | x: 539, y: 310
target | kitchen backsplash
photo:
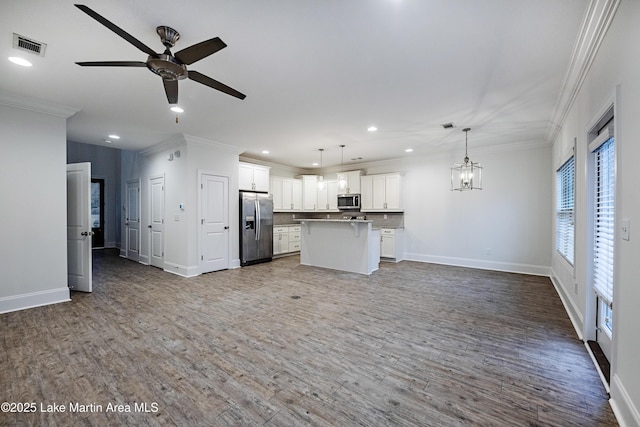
x: 393, y: 220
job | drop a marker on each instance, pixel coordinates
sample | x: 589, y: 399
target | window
x: 565, y: 209
x: 604, y: 187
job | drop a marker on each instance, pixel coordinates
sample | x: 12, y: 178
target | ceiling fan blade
x: 119, y: 31
x: 112, y: 64
x: 208, y: 81
x: 171, y: 89
x: 200, y: 50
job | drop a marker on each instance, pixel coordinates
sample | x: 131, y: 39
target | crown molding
x: 36, y: 105
x: 593, y: 29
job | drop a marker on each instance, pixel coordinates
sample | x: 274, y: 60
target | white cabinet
x: 382, y: 193
x: 287, y: 194
x: 286, y: 238
x: 294, y: 238
x: 392, y: 243
x: 253, y: 177
x: 309, y: 192
x: 280, y: 240
x: 328, y: 196
x: 352, y: 179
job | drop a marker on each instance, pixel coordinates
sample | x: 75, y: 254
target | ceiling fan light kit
x: 166, y: 65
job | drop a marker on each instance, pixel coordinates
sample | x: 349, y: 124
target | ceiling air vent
x: 28, y: 45
x: 447, y: 125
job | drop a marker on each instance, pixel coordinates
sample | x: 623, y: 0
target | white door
x: 156, y: 227
x: 132, y: 220
x: 214, y: 223
x: 79, y: 227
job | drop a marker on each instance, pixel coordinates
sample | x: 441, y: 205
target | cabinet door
x: 277, y: 193
x: 261, y: 178
x: 387, y: 246
x: 379, y: 197
x: 366, y: 193
x: 245, y: 178
x: 353, y: 182
x: 287, y: 192
x: 332, y: 194
x: 296, y: 194
x: 323, y: 198
x: 392, y: 192
x: 309, y: 192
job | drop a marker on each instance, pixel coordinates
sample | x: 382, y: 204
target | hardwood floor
x: 412, y: 344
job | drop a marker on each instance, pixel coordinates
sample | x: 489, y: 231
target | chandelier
x: 466, y: 175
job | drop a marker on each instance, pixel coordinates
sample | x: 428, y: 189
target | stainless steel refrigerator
x: 256, y: 227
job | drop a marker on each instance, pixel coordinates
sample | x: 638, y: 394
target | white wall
x: 33, y: 248
x: 509, y: 218
x: 617, y: 64
x: 181, y: 175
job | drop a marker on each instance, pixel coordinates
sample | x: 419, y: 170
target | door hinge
x: 202, y: 186
x: 202, y: 221
x: 201, y: 257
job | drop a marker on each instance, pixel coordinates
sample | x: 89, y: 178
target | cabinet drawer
x: 295, y: 228
x: 387, y: 231
x: 294, y: 246
x: 280, y: 229
x: 294, y: 236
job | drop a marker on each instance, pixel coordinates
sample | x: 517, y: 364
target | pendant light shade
x: 321, y: 183
x: 466, y: 175
x: 342, y: 179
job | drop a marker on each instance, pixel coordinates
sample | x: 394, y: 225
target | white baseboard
x: 34, y: 299
x: 536, y: 270
x: 623, y: 408
x: 182, y: 270
x: 574, y: 314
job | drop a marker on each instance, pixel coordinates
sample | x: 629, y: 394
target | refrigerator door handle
x: 258, y: 228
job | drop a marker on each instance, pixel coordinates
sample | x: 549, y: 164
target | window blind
x: 565, y: 210
x: 604, y: 220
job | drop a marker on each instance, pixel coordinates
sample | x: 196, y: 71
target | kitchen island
x: 340, y: 244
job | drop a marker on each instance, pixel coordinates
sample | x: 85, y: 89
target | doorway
x: 97, y: 213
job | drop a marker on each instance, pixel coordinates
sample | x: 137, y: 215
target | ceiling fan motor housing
x: 167, y: 67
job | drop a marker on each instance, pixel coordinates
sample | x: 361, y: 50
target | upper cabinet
x: 328, y: 196
x: 382, y: 193
x: 287, y: 194
x: 253, y: 177
x: 352, y: 179
x: 309, y: 192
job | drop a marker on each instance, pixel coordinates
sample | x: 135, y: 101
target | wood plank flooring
x: 412, y: 344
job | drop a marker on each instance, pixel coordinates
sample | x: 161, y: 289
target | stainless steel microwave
x: 348, y: 202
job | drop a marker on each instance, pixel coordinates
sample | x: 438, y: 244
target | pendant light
x: 466, y: 175
x: 342, y: 179
x: 321, y: 183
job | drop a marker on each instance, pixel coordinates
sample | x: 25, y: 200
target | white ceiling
x: 316, y: 73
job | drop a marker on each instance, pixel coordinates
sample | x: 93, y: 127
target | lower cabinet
x: 391, y: 244
x: 286, y: 239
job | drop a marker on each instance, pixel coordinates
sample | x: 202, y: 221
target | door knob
x: 148, y: 226
x: 226, y: 227
x: 84, y: 233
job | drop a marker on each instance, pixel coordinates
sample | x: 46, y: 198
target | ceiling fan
x: 171, y: 67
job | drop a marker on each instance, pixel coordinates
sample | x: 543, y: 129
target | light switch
x: 624, y: 228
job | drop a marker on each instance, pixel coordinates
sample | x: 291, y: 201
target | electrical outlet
x: 626, y: 224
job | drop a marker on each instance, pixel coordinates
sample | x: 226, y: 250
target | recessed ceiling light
x: 113, y: 136
x: 108, y: 141
x: 315, y: 163
x: 372, y: 128
x: 408, y: 150
x: 265, y: 151
x: 177, y: 109
x: 20, y: 61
